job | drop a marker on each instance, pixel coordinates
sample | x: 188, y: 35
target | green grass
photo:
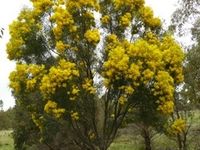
x: 6, y: 140
x: 135, y: 142
x: 127, y: 142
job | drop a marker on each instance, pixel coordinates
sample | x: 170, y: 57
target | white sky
x: 9, y: 10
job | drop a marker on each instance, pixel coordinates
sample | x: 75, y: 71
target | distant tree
x: 1, y: 32
x: 7, y: 119
x: 188, y: 98
x: 1, y: 105
x: 187, y: 12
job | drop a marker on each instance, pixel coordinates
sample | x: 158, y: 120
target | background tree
x: 86, y: 63
x: 7, y: 119
x: 1, y: 32
x: 192, y: 70
x: 188, y: 100
x: 188, y: 11
x: 1, y: 105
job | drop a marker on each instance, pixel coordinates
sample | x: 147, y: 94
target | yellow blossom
x: 63, y: 20
x: 91, y: 135
x: 78, y: 4
x: 178, y: 126
x: 58, y: 77
x: 40, y: 6
x: 105, y: 19
x: 147, y: 17
x: 122, y: 100
x: 74, y: 116
x: 87, y: 85
x: 51, y: 107
x: 125, y: 20
x: 92, y: 36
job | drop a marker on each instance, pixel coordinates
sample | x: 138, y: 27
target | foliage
x: 74, y: 67
x: 187, y: 12
x: 192, y: 72
x: 7, y: 119
x: 23, y: 129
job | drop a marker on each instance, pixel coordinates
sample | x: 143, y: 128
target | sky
x: 9, y: 10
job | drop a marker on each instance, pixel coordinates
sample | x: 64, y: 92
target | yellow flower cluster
x: 88, y: 86
x: 35, y: 74
x: 74, y: 93
x: 148, y: 18
x: 173, y: 57
x: 92, y: 36
x: 19, y: 29
x: 148, y: 53
x: 17, y: 77
x: 105, y: 19
x: 122, y: 100
x: 117, y: 63
x: 125, y: 20
x: 130, y: 10
x: 26, y: 77
x: 88, y: 15
x: 178, y: 126
x: 74, y: 115
x: 164, y: 90
x: 147, y: 75
x: 128, y: 3
x: 51, y: 107
x: 78, y: 4
x: 91, y: 135
x: 63, y: 19
x: 111, y: 42
x: 37, y: 120
x: 143, y: 63
x: 133, y: 72
x: 14, y: 48
x: 41, y: 6
x: 152, y: 38
x: 166, y: 107
x: 58, y: 77
x: 61, y: 47
x: 128, y: 90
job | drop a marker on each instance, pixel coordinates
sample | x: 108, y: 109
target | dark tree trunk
x: 147, y: 143
x: 184, y: 142
x: 180, y: 146
x: 147, y: 138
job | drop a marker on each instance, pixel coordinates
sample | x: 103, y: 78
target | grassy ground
x: 129, y: 139
x: 6, y: 141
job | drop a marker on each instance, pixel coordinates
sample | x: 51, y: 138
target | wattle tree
x: 89, y: 62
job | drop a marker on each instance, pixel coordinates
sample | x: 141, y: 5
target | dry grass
x: 6, y: 140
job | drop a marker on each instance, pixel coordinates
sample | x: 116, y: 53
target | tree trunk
x: 180, y: 146
x: 147, y: 138
x: 147, y: 143
x: 184, y: 142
